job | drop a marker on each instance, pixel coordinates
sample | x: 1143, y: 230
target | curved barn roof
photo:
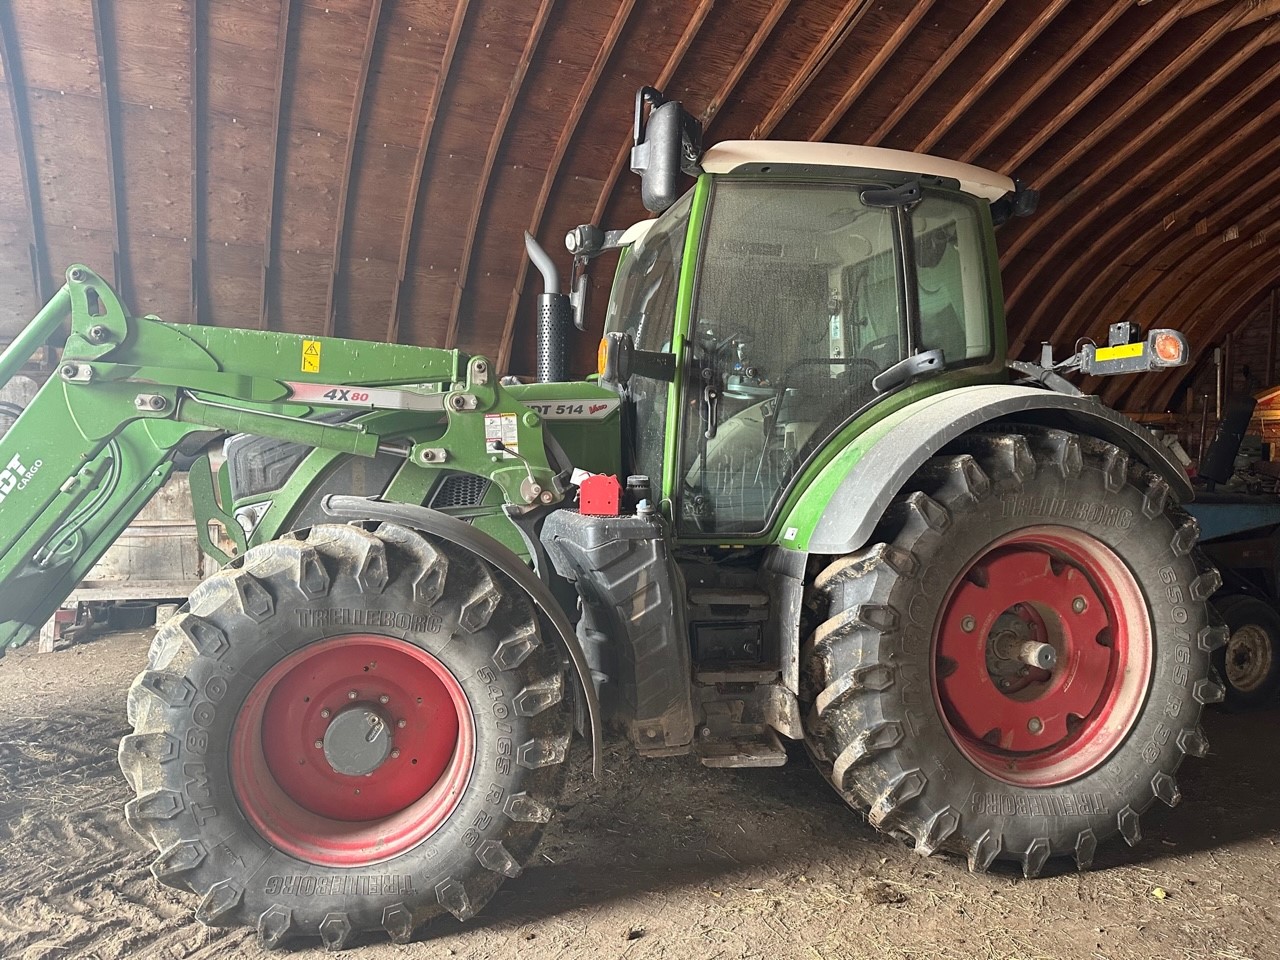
x: 366, y: 167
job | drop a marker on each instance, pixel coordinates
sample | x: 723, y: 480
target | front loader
x: 847, y: 520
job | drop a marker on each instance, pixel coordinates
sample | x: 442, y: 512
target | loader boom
x: 100, y: 437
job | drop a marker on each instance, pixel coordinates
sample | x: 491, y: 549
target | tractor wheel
x: 1250, y: 661
x: 1015, y: 667
x: 346, y: 731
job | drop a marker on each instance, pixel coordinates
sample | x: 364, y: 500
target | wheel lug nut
x: 325, y: 713
x: 394, y: 754
x: 1034, y: 725
x: 402, y: 723
x: 351, y: 694
x: 1004, y: 684
x: 319, y: 744
x: 1078, y: 605
x: 384, y: 699
x: 967, y: 624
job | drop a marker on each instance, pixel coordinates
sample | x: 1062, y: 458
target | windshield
x: 643, y: 304
x: 801, y: 301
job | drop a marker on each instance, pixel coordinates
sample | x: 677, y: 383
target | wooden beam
x: 1208, y: 164
x: 198, y: 52
x: 975, y: 90
x: 762, y: 34
x: 104, y: 38
x: 837, y: 33
x: 669, y: 69
x: 567, y: 134
x: 1232, y: 315
x: 1270, y: 375
x: 15, y: 82
x: 1253, y: 211
x: 1102, y: 166
x: 882, y: 57
x: 490, y: 158
x: 1264, y: 9
x: 348, y: 167
x: 419, y: 167
x: 925, y: 83
x: 1192, y: 7
x: 277, y: 161
x: 1085, y: 226
x: 1000, y: 123
x: 1113, y: 69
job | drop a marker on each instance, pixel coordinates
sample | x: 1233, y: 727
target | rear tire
x: 248, y: 779
x: 1250, y: 661
x: 923, y: 717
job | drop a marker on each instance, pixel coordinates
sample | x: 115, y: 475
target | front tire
x: 344, y: 732
x: 1016, y: 665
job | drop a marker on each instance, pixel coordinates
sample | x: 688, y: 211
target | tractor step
x: 760, y: 750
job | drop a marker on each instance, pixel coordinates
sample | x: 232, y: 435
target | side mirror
x: 619, y: 360
x: 667, y: 145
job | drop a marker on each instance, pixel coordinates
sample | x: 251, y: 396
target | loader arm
x: 99, y: 438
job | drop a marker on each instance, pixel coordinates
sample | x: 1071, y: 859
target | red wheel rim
x: 1020, y: 723
x: 283, y: 773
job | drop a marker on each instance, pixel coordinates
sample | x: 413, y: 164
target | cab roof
x: 730, y: 155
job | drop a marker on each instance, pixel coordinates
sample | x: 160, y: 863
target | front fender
x: 842, y: 506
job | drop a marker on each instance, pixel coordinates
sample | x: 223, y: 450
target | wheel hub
x: 352, y: 749
x: 1034, y: 669
x: 1248, y: 657
x: 358, y: 740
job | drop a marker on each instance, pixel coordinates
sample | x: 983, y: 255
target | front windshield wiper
x: 924, y: 364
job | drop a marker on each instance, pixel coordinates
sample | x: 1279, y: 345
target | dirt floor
x: 663, y: 859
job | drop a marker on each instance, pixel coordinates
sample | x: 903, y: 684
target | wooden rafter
x: 860, y: 83
x: 1230, y: 313
x: 1113, y: 69
x: 1084, y: 226
x: 758, y: 39
x: 975, y: 90
x: 842, y: 25
x: 567, y: 133
x: 925, y: 83
x: 1163, y: 120
x: 1189, y: 180
x: 277, y: 160
x: 668, y: 71
x: 490, y: 158
x: 348, y: 167
x: 1029, y: 95
x: 104, y: 36
x: 1221, y: 274
x: 419, y: 167
x: 199, y: 191
x: 15, y: 82
x: 1264, y: 9
x: 1167, y: 291
x: 1193, y: 7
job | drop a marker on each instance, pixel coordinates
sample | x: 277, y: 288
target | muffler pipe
x: 554, y: 315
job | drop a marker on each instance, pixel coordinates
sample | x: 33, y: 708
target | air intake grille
x: 459, y: 490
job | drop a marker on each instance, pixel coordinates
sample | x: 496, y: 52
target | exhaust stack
x: 554, y: 314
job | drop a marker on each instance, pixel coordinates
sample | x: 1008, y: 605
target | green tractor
x: 807, y: 500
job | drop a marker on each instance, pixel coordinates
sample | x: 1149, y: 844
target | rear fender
x: 841, y: 508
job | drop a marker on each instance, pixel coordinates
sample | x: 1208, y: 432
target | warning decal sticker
x: 501, y: 427
x: 310, y: 356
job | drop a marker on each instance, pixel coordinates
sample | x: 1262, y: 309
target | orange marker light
x: 1168, y: 347
x: 602, y: 355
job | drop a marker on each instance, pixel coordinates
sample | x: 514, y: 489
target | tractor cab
x: 794, y: 287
